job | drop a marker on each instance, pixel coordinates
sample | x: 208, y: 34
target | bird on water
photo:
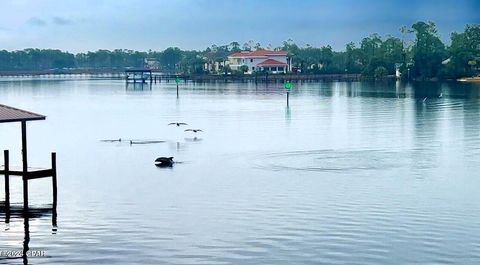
x: 164, y: 162
x: 193, y: 130
x: 178, y: 124
x: 113, y: 140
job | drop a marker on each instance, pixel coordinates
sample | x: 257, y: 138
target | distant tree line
x: 420, y: 53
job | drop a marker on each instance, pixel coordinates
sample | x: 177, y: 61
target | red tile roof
x: 257, y: 53
x: 272, y: 62
x: 10, y: 114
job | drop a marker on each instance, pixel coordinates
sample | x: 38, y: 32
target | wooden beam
x: 11, y: 172
x: 45, y: 173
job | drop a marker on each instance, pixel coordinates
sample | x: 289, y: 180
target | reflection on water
x: 288, y: 114
x: 15, y: 213
x: 349, y: 173
x: 341, y: 161
x: 138, y: 86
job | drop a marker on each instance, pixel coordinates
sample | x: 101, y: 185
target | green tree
x: 234, y: 46
x: 353, y: 57
x: 428, y: 50
x: 380, y: 72
x: 464, y: 52
x: 170, y: 58
x: 243, y: 69
x: 392, y: 52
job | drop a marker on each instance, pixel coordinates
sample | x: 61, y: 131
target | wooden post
x: 25, y: 166
x: 26, y: 239
x: 54, y: 179
x: 7, y: 179
x: 54, y: 221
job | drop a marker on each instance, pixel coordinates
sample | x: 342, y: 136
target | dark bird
x: 132, y: 142
x: 193, y: 130
x: 178, y: 124
x: 164, y: 162
x: 113, y: 140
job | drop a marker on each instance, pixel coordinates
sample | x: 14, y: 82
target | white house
x: 259, y: 60
x: 151, y: 63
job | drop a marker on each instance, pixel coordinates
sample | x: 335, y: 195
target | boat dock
x: 10, y: 114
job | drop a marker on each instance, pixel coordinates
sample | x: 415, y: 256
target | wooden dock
x: 156, y: 76
x: 10, y: 114
x: 31, y: 173
x: 267, y: 78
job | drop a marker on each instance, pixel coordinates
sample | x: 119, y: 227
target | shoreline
x: 257, y: 78
x: 160, y: 76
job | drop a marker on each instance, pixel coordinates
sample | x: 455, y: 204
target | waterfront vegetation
x: 419, y: 53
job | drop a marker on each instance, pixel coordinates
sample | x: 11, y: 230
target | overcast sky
x: 82, y: 25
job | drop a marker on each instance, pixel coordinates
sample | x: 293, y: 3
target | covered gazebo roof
x: 11, y: 114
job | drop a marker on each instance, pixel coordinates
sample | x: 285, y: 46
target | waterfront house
x: 259, y: 61
x: 151, y: 63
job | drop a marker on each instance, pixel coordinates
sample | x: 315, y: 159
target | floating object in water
x: 194, y: 139
x: 164, y: 162
x: 112, y: 140
x: 145, y: 142
x: 178, y: 124
x: 425, y: 99
x: 441, y: 95
x: 193, y: 130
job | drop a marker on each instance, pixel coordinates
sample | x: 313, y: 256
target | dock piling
x: 54, y: 179
x: 25, y: 165
x: 7, y: 178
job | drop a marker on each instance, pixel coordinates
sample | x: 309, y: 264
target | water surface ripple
x: 349, y: 173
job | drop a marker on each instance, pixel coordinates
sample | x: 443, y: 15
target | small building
x: 259, y: 61
x: 151, y: 63
x: 138, y: 75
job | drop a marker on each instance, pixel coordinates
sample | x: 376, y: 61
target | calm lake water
x: 351, y: 173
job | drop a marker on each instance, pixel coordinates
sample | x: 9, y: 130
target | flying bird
x: 164, y: 162
x: 193, y: 130
x: 178, y: 124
